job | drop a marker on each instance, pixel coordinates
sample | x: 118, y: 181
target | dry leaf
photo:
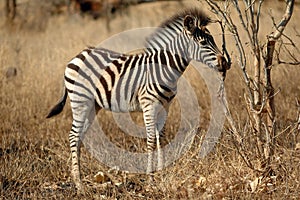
x: 297, y: 146
x: 100, y: 177
x: 254, y: 184
x: 201, y: 182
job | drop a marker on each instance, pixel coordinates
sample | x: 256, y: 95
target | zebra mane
x: 167, y: 27
x: 197, y: 13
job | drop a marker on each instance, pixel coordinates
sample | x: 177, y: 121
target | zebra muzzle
x: 223, y: 65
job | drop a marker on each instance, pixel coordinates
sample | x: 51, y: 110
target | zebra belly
x: 118, y: 103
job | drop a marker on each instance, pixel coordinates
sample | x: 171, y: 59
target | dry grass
x: 34, y: 152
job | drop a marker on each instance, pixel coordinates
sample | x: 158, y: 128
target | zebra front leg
x: 160, y: 157
x: 154, y: 120
x: 160, y: 128
x: 150, y: 126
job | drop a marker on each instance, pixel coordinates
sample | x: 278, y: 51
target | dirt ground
x: 34, y: 151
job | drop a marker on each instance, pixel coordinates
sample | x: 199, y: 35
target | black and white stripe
x: 145, y: 81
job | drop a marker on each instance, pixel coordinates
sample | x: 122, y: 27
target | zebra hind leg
x: 80, y: 125
x: 75, y: 152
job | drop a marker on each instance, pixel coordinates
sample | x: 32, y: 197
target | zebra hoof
x: 79, y: 187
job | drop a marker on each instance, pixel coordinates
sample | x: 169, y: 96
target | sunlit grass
x: 34, y: 152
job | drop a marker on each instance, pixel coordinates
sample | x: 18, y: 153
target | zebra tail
x: 59, y: 106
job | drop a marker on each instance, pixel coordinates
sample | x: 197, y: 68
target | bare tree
x: 10, y: 9
x: 260, y: 93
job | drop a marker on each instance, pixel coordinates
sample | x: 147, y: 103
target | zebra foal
x: 146, y: 81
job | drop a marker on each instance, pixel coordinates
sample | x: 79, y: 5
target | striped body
x: 147, y: 81
x: 120, y: 82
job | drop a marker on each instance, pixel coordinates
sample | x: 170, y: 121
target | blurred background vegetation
x: 39, y: 39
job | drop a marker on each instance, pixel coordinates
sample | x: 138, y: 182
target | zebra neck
x: 164, y: 58
x: 173, y: 44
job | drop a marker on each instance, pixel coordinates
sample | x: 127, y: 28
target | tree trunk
x: 10, y: 10
x: 270, y: 103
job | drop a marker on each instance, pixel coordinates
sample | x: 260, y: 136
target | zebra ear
x: 189, y: 23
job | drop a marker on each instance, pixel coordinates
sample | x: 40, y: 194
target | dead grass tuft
x: 34, y: 152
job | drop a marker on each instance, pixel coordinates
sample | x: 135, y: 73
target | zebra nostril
x: 225, y: 64
x: 220, y: 68
x: 222, y: 63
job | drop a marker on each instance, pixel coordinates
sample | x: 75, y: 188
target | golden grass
x: 34, y: 152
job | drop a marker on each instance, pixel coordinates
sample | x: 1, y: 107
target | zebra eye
x: 203, y: 42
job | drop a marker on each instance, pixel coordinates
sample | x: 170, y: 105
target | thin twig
x: 288, y: 63
x: 233, y: 29
x: 298, y: 117
x: 284, y: 21
x: 224, y: 49
x: 237, y: 7
x: 278, y: 52
x: 258, y: 14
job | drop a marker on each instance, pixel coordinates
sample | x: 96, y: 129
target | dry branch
x: 260, y: 96
x: 298, y: 114
x: 284, y: 21
x: 237, y: 140
x: 226, y: 19
x: 270, y: 104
